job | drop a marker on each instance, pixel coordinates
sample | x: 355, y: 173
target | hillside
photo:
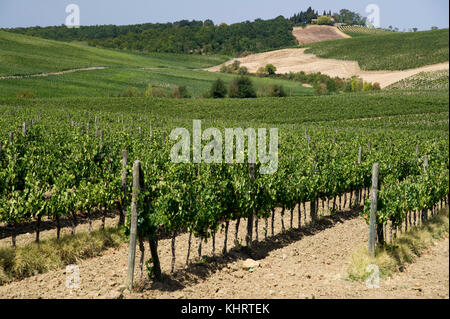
x: 21, y: 55
x: 194, y: 37
x: 385, y: 58
x: 396, y: 51
x: 296, y: 60
x: 114, y: 81
x: 317, y: 33
x: 360, y: 31
x: 110, y: 72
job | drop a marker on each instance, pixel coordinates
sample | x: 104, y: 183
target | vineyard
x: 423, y: 81
x: 356, y: 31
x: 71, y: 158
x: 390, y: 51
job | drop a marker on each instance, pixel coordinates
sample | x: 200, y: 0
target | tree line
x: 192, y: 37
x: 343, y: 16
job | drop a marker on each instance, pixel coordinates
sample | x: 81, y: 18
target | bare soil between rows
x: 310, y: 262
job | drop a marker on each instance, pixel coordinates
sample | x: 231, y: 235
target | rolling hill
x: 393, y: 51
x: 317, y: 33
x: 24, y: 55
x: 385, y: 57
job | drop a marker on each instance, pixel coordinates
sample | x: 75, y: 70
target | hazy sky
x: 403, y: 14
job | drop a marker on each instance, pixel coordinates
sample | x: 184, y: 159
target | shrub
x: 261, y: 72
x: 235, y: 66
x: 25, y: 95
x: 340, y: 84
x: 242, y: 87
x: 155, y: 92
x: 218, y: 89
x: 131, y: 92
x: 276, y: 91
x: 376, y: 86
x: 225, y: 69
x: 367, y: 86
x: 324, y: 20
x: 357, y: 84
x: 348, y: 86
x: 243, y: 70
x: 320, y: 88
x: 331, y: 85
x: 181, y: 92
x: 270, y: 69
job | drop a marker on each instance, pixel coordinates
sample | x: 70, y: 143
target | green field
x: 23, y: 55
x: 290, y: 110
x: 113, y: 81
x: 394, y: 51
x: 28, y: 55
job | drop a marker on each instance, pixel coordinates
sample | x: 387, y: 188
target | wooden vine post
x: 312, y: 203
x: 249, y: 237
x: 425, y: 167
x: 133, y: 228
x: 357, y: 192
x: 373, y: 210
x: 124, y: 185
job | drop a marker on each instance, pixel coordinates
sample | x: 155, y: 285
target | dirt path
x: 297, y: 264
x: 296, y: 60
x: 51, y: 73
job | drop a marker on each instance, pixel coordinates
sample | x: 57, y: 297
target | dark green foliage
x: 131, y: 92
x: 324, y: 20
x: 277, y: 91
x: 320, y: 88
x: 184, y: 36
x: 243, y: 70
x: 349, y: 17
x: 25, y: 95
x: 270, y: 69
x: 218, y: 89
x: 344, y: 16
x: 242, y: 87
x: 235, y: 66
x: 181, y: 92
x: 304, y: 17
x: 348, y: 86
x: 324, y: 84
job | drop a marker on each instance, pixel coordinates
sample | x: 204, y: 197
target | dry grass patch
x: 50, y: 254
x: 405, y: 249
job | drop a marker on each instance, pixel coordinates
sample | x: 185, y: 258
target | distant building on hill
x: 314, y: 21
